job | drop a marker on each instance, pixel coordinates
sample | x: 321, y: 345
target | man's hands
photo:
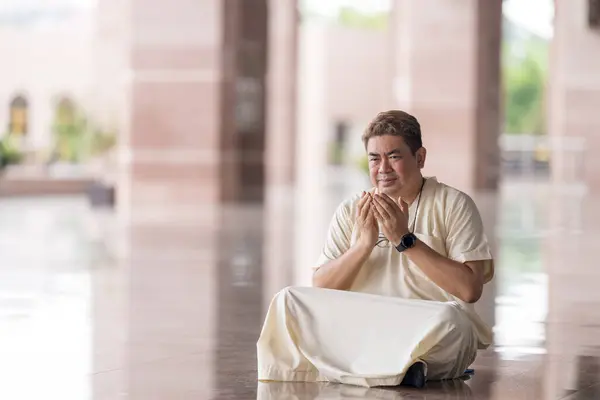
x: 392, y: 217
x: 341, y: 272
x: 368, y: 231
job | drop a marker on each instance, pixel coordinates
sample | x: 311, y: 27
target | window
x: 65, y: 112
x: 18, y: 116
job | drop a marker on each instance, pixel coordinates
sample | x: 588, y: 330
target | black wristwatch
x: 408, y: 241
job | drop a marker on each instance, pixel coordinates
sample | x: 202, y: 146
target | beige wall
x: 575, y: 97
x: 43, y: 63
x: 344, y: 75
x: 359, y: 73
x: 111, y: 49
x: 447, y: 75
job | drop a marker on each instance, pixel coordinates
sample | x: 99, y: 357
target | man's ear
x: 421, y: 156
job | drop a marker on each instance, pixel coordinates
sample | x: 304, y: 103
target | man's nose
x: 384, y: 165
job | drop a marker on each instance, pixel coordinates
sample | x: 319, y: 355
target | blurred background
x: 167, y: 167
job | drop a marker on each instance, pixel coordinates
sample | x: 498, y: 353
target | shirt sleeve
x: 466, y: 240
x: 339, y: 236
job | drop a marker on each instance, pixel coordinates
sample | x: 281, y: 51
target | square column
x: 447, y: 62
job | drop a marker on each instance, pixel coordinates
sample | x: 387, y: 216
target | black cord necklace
x: 417, y: 208
x: 383, y: 239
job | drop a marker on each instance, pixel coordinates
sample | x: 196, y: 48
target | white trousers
x: 313, y: 334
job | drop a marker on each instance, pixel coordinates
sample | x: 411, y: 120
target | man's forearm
x: 452, y: 276
x: 340, y: 273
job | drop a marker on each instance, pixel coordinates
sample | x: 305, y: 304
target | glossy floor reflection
x: 92, y: 308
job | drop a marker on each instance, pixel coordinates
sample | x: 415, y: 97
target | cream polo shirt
x: 447, y: 220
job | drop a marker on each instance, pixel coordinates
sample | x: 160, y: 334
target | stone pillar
x: 574, y: 125
x: 194, y: 91
x: 281, y: 92
x: 280, y: 157
x: 196, y: 95
x: 447, y: 62
x: 111, y: 59
x: 249, y: 42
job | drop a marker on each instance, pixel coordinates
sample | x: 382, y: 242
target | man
x: 395, y: 285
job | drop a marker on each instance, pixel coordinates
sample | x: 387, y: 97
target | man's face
x: 392, y: 165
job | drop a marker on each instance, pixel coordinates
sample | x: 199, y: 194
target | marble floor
x: 96, y: 307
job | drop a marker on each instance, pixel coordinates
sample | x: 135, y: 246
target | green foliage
x: 76, y: 139
x: 524, y: 80
x: 101, y: 142
x: 70, y: 138
x: 351, y: 17
x: 363, y: 164
x: 336, y: 154
x: 9, y: 151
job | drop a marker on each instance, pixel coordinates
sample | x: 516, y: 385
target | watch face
x: 408, y: 241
